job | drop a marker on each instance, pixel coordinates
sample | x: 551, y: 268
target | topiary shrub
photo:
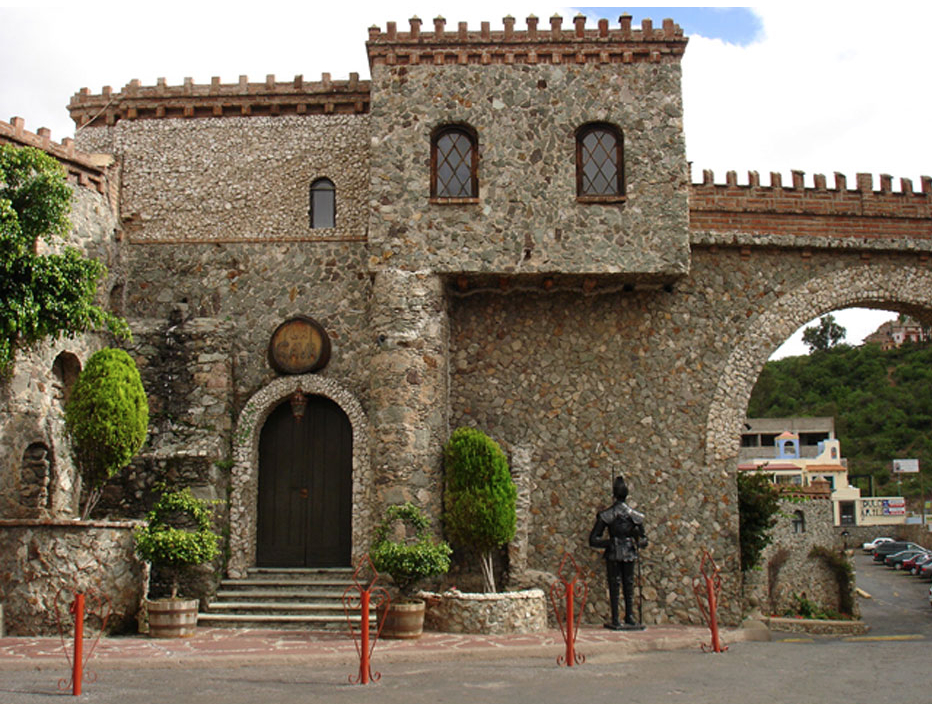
x: 412, y: 558
x: 178, y: 534
x: 106, y: 418
x: 479, y: 497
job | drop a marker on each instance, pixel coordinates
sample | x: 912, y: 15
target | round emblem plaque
x: 298, y: 346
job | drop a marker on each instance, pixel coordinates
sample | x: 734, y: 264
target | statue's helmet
x: 620, y: 489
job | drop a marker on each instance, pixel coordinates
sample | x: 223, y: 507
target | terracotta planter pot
x: 404, y: 620
x: 172, y: 618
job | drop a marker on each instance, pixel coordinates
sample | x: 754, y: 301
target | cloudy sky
x: 774, y: 88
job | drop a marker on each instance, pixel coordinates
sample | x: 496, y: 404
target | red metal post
x: 570, y: 634
x: 78, y: 644
x: 357, y: 593
x: 569, y: 591
x: 364, y: 630
x: 709, y: 610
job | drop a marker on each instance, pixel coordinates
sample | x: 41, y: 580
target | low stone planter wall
x: 817, y: 626
x: 454, y: 611
x: 39, y: 557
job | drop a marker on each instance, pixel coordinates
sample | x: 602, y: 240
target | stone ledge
x: 68, y: 523
x: 817, y: 626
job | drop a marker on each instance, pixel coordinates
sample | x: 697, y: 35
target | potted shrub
x: 479, y: 497
x: 178, y: 536
x: 106, y: 418
x: 409, y: 554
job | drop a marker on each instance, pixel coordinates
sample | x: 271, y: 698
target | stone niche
x: 454, y: 611
x: 40, y: 558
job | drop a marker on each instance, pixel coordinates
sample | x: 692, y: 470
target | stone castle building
x: 499, y: 229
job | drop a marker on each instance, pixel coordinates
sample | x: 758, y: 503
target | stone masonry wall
x: 237, y: 179
x: 628, y: 381
x: 800, y: 574
x: 527, y: 218
x: 39, y: 558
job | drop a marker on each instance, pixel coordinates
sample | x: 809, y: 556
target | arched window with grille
x: 600, y: 163
x: 323, y: 206
x: 454, y: 163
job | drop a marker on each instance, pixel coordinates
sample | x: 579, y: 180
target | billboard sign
x: 905, y: 466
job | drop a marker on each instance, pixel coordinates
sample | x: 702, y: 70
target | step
x: 276, y: 621
x: 296, y: 607
x: 283, y: 598
x: 276, y: 595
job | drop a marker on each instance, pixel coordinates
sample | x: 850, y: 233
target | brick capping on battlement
x: 812, y: 211
x: 216, y: 99
x: 87, y: 170
x: 549, y: 45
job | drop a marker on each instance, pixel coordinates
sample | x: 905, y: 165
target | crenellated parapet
x: 86, y: 170
x: 815, y: 211
x: 216, y: 99
x: 553, y: 44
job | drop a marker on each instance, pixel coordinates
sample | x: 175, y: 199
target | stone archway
x: 897, y: 287
x: 245, y: 473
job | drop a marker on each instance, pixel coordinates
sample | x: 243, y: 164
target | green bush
x: 172, y: 547
x: 106, y: 418
x: 758, y: 506
x: 409, y: 560
x: 479, y: 497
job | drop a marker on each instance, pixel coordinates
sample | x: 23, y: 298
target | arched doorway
x: 305, y: 487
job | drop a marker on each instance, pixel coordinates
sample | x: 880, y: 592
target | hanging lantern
x: 298, y: 404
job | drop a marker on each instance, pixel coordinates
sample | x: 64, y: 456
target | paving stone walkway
x: 215, y: 646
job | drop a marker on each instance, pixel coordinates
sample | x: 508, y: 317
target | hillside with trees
x: 881, y: 401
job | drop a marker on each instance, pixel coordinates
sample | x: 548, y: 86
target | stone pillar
x: 409, y: 388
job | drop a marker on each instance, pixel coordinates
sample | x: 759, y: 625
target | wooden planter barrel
x: 172, y: 618
x: 404, y: 620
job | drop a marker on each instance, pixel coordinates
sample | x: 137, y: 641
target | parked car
x: 914, y: 563
x: 897, y: 559
x: 867, y: 547
x: 925, y: 572
x: 884, y: 549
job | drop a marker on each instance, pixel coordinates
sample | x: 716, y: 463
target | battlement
x: 87, y: 170
x: 816, y: 210
x: 216, y: 99
x: 534, y: 45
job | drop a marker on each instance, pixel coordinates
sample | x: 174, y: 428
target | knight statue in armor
x: 625, y: 537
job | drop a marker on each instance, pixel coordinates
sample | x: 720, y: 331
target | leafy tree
x: 45, y: 295
x: 479, y: 497
x: 757, y: 509
x: 881, y: 401
x: 826, y: 334
x: 106, y: 418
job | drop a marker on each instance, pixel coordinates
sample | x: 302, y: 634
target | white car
x: 867, y: 547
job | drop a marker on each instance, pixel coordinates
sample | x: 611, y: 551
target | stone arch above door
x: 245, y: 473
x: 906, y: 288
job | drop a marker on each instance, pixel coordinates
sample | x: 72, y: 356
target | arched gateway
x: 297, y: 482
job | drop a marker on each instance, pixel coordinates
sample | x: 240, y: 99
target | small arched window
x: 799, y: 522
x: 599, y: 163
x: 454, y: 163
x: 323, y: 206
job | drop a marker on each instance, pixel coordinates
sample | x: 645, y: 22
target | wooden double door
x: 305, y: 487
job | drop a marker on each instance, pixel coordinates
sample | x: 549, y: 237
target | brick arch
x: 870, y: 286
x: 244, y: 477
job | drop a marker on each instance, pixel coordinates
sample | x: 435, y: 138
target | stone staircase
x: 282, y: 598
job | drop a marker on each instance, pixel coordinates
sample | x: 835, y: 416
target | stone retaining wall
x: 454, y: 611
x: 37, y: 558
